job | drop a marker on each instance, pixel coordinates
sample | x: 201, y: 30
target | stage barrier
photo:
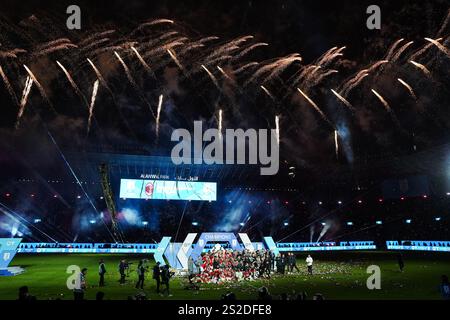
x: 419, y: 245
x: 177, y: 254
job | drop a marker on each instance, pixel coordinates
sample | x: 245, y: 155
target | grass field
x: 339, y: 275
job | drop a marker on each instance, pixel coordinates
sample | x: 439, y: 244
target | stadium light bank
x: 234, y: 141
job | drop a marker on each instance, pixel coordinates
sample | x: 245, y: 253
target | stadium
x: 242, y: 151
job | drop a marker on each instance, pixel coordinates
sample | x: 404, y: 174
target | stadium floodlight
x: 349, y: 223
x: 339, y: 202
x: 144, y: 223
x: 448, y: 193
x: 92, y: 221
x: 286, y: 224
x: 408, y: 221
x: 195, y: 223
x: 37, y: 220
x: 437, y: 219
x: 320, y: 203
x: 379, y: 222
x: 324, y: 224
x: 78, y: 197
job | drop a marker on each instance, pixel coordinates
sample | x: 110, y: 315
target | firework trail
x: 274, y: 67
x: 141, y: 60
x: 155, y: 22
x: 39, y: 86
x: 245, y: 66
x: 400, y: 51
x: 314, y: 105
x: 94, y: 44
x: 268, y: 93
x: 281, y: 65
x: 305, y: 73
x: 343, y: 100
x: 133, y: 82
x: 72, y: 82
x: 95, y: 36
x: 353, y: 83
x: 220, y: 124
x: 407, y: 86
x: 8, y: 86
x: 322, y: 76
x: 423, y: 50
x: 225, y: 74
x: 53, y: 43
x: 444, y: 24
x: 55, y: 48
x: 214, y: 80
x: 421, y: 67
x: 227, y: 48
x: 127, y: 70
x: 91, y: 107
x: 383, y: 101
x: 392, y: 49
x: 277, y: 128
x: 23, y: 101
x: 439, y: 46
x: 175, y: 59
x: 99, y: 75
x: 325, y: 56
x: 329, y: 56
x: 336, y: 143
x: 250, y: 48
x: 158, y: 114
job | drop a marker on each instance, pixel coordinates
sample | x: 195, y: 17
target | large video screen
x: 167, y: 190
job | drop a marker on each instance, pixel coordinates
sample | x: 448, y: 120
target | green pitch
x: 338, y: 275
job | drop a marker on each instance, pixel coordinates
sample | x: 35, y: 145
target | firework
x: 251, y: 48
x: 400, y: 51
x: 245, y: 66
x: 383, y: 101
x: 214, y: 80
x: 392, y: 49
x: 39, y: 86
x: 439, y: 46
x: 336, y: 143
x: 141, y: 60
x: 8, y: 86
x: 72, y: 82
x: 55, y: 48
x: 95, y: 36
x: 175, y: 59
x: 91, y: 107
x: 158, y: 114
x: 342, y: 99
x: 314, y: 105
x: 267, y: 92
x: 23, y: 101
x: 421, y: 67
x: 277, y: 128
x: 98, y: 74
x: 220, y: 124
x: 225, y: 74
x: 407, y: 86
x: 127, y: 70
x: 133, y: 83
